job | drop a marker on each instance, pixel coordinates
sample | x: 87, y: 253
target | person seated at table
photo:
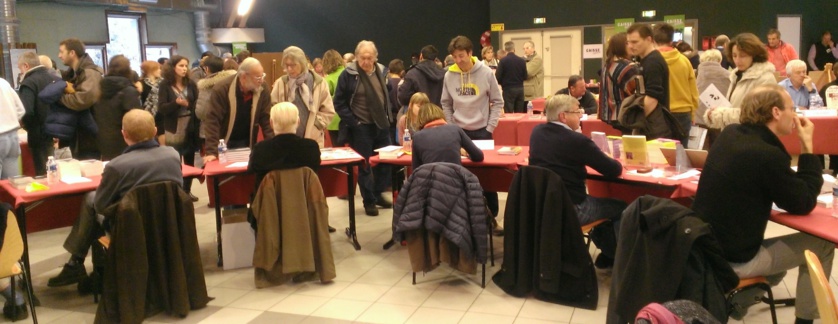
x: 747, y: 170
x: 557, y: 146
x: 438, y: 141
x: 407, y: 119
x: 576, y: 88
x: 286, y: 150
x: 143, y: 161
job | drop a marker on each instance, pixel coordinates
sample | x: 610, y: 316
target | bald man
x: 143, y: 162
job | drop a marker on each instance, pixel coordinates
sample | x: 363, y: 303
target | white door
x: 561, y: 51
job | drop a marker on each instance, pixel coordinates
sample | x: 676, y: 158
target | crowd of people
x: 146, y: 125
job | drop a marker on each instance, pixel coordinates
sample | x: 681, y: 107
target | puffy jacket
x: 61, y: 121
x: 446, y: 199
x: 36, y: 110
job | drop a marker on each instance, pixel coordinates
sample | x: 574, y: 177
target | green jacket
x: 332, y: 79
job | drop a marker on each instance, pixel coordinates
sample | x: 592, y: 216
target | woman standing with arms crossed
x: 176, y: 102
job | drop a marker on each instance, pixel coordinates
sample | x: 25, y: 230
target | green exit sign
x: 540, y: 20
x: 648, y: 13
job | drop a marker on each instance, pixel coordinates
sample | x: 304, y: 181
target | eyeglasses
x: 575, y: 112
x: 259, y: 78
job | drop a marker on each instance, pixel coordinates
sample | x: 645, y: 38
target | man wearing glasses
x: 558, y: 146
x: 237, y: 106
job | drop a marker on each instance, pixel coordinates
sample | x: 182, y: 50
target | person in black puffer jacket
x: 119, y: 95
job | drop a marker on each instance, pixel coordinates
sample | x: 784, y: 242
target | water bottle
x: 529, y: 109
x: 835, y: 198
x: 222, y: 151
x: 52, y: 171
x: 815, y: 101
x: 407, y: 141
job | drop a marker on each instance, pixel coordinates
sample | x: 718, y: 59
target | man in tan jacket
x: 534, y: 84
x: 83, y: 78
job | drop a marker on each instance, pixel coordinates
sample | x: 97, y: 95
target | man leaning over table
x: 143, y: 161
x: 747, y: 170
x: 557, y: 146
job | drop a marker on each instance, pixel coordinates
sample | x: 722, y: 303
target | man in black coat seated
x: 576, y: 88
x: 557, y: 146
x: 747, y: 170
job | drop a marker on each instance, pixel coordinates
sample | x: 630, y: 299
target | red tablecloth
x: 538, y: 104
x: 819, y: 223
x: 506, y: 132
x: 629, y: 187
x: 237, y: 190
x: 495, y: 172
x: 525, y: 127
x: 825, y: 139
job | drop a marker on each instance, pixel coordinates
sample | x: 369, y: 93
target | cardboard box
x: 238, y: 240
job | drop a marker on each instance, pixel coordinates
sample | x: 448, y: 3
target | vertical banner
x: 621, y: 25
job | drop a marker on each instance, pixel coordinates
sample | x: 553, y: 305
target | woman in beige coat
x: 306, y: 90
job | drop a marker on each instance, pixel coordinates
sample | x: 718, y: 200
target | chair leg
x: 483, y: 282
x: 771, y: 306
x: 491, y: 241
x: 414, y: 278
x: 29, y: 293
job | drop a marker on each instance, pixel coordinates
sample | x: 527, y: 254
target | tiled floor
x: 372, y: 285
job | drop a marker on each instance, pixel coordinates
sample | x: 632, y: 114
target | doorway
x: 561, y: 50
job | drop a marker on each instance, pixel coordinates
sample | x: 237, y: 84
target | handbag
x: 658, y: 124
x: 178, y: 138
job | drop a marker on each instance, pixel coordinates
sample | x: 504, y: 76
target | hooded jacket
x: 472, y: 99
x: 85, y: 80
x: 683, y: 93
x: 118, y: 97
x: 425, y: 77
x: 756, y: 75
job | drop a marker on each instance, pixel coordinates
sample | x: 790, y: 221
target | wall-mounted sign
x: 592, y: 51
x: 497, y: 27
x: 648, y: 13
x: 677, y: 21
x: 238, y: 47
x: 540, y: 20
x: 622, y: 24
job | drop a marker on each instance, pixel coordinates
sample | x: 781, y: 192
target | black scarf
x: 374, y: 103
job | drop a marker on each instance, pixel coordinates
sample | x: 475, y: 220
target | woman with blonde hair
x: 333, y: 66
x: 306, y: 90
x: 409, y: 120
x: 285, y: 150
x: 488, y: 54
x: 438, y: 141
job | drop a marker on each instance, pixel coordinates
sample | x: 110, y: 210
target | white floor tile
x: 342, y: 309
x: 409, y: 296
x: 299, y: 304
x: 384, y: 313
x: 450, y: 300
x: 322, y: 290
x: 363, y: 292
x: 382, y: 276
x: 479, y: 318
x: 424, y: 315
x: 225, y: 296
x: 259, y: 300
x: 537, y: 309
x: 231, y: 315
x: 498, y: 305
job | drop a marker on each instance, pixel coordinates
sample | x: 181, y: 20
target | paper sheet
x: 74, y: 179
x: 713, y: 98
x: 485, y: 145
x: 237, y: 165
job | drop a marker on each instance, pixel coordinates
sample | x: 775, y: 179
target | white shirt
x: 11, y: 108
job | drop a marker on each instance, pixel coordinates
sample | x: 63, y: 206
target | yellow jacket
x: 683, y: 92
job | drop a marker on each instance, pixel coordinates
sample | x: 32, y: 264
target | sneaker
x: 603, y: 262
x: 383, y: 203
x: 69, y: 275
x: 371, y: 210
x: 332, y: 229
x: 15, y: 312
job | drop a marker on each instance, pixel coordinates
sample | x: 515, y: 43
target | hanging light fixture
x: 244, y: 6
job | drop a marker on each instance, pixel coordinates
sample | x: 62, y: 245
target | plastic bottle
x: 222, y: 151
x: 815, y: 101
x: 835, y: 198
x: 52, y: 171
x: 407, y: 143
x: 529, y: 109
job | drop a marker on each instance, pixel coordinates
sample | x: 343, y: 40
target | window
x: 156, y: 51
x: 127, y: 35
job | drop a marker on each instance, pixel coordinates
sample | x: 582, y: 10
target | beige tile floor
x: 372, y: 286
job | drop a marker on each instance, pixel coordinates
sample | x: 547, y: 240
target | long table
x: 220, y: 174
x: 24, y: 202
x: 819, y: 222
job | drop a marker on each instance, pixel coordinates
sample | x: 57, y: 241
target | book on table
x: 510, y: 150
x: 390, y: 152
x: 634, y: 147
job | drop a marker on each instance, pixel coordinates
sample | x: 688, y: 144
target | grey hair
x: 295, y: 53
x: 795, y: 64
x: 509, y: 46
x: 363, y: 44
x: 46, y: 61
x: 711, y: 55
x: 558, y: 104
x: 30, y: 58
x: 248, y: 64
x: 531, y: 44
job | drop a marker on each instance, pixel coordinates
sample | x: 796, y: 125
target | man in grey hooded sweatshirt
x: 471, y: 98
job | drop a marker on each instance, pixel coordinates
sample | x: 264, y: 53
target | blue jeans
x: 604, y: 235
x: 9, y: 153
x: 364, y: 139
x: 685, y: 120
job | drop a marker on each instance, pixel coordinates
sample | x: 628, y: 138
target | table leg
x: 21, y: 220
x: 217, y: 188
x: 397, y: 186
x: 350, y: 232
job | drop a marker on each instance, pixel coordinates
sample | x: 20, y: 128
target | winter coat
x: 446, y: 199
x: 293, y: 228
x: 204, y: 92
x: 154, y: 261
x: 534, y: 84
x: 544, y: 252
x: 425, y: 77
x: 37, y: 110
x: 320, y: 115
x: 118, y: 97
x: 85, y: 80
x: 710, y: 73
x: 63, y: 122
x: 221, y: 115
x: 666, y: 253
x: 756, y: 75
